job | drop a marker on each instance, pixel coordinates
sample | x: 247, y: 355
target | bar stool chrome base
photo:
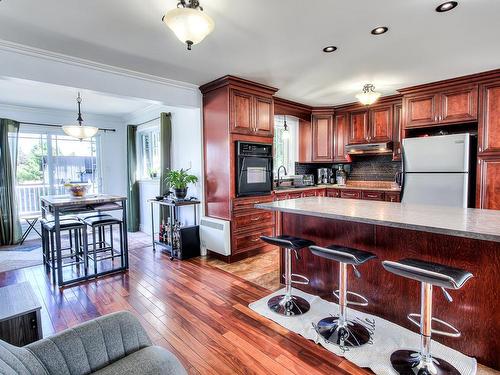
x: 288, y: 305
x: 351, y: 334
x: 409, y: 362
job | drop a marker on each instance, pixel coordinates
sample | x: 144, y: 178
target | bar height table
x: 57, y: 205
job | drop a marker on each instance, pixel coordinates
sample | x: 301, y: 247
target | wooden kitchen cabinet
x: 392, y: 196
x: 456, y: 104
x: 358, y: 127
x: 350, y: 194
x: 264, y: 116
x: 489, y: 118
x: 340, y: 139
x: 380, y: 125
x: 241, y: 112
x: 488, y: 183
x: 333, y: 193
x: 251, y: 114
x: 322, y: 138
x: 373, y: 195
x: 397, y: 131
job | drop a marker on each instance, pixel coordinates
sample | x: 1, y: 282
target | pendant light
x: 80, y: 131
x: 369, y: 95
x: 188, y: 22
x: 285, y: 134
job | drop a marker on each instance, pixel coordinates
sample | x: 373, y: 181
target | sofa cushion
x: 91, y: 345
x: 18, y: 361
x: 152, y: 360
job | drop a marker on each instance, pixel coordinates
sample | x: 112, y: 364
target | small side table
x: 20, y: 322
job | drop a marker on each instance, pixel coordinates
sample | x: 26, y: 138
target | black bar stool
x: 429, y: 274
x: 288, y: 304
x: 341, y: 330
x: 77, y: 233
x: 99, y: 222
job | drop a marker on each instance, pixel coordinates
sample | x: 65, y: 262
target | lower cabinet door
x: 350, y: 194
x: 333, y: 193
x: 372, y: 195
x: 392, y: 196
x: 250, y: 240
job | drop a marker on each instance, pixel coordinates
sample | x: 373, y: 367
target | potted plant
x: 178, y: 180
x: 153, y: 172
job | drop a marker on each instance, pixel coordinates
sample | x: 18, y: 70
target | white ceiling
x: 275, y: 42
x: 26, y: 93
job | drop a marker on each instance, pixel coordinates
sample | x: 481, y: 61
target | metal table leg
x: 125, y: 232
x: 153, y: 226
x: 57, y: 232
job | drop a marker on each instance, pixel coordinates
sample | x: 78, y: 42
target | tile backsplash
x: 363, y: 168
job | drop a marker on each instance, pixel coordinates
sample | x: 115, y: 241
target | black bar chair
x: 288, y: 304
x: 429, y: 275
x: 341, y: 330
x: 77, y: 236
x: 101, y: 249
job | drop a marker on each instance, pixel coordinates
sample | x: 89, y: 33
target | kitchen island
x: 463, y: 238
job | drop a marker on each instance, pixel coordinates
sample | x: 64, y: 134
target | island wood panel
x: 474, y: 310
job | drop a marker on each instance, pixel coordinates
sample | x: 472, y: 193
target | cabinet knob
x: 480, y: 149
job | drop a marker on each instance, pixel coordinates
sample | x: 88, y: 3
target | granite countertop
x: 356, y: 185
x: 460, y: 222
x: 68, y: 200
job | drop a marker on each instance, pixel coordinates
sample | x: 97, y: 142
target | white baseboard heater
x: 215, y: 235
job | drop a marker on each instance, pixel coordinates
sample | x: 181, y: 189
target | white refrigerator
x: 436, y: 170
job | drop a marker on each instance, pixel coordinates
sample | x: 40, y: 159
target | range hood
x: 369, y: 148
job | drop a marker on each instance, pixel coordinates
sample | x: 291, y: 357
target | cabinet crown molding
x: 237, y: 82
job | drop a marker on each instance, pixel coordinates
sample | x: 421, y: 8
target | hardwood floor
x: 192, y: 308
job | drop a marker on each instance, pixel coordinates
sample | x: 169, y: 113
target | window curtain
x: 165, y: 160
x: 10, y: 225
x: 133, y: 184
x: 165, y: 146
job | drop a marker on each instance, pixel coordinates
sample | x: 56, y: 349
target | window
x: 149, y: 153
x: 285, y: 150
x: 46, y: 161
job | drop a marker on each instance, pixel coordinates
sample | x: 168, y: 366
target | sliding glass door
x: 47, y: 161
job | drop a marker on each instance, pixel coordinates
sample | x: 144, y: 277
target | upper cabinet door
x: 458, y: 105
x: 322, y: 132
x: 421, y: 110
x: 397, y: 131
x: 358, y: 127
x: 488, y: 186
x: 264, y: 116
x: 380, y: 124
x: 489, y: 118
x: 340, y: 138
x: 241, y: 112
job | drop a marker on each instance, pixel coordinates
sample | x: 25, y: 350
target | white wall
x: 113, y: 144
x: 186, y: 152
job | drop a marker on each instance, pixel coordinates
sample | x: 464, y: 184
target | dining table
x: 55, y: 206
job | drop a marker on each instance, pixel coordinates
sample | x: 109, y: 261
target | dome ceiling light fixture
x: 80, y: 131
x: 369, y: 95
x: 188, y: 22
x: 445, y: 7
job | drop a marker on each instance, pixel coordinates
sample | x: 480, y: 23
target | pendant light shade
x: 189, y: 23
x: 285, y: 134
x: 369, y: 95
x: 80, y: 131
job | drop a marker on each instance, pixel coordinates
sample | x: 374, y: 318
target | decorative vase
x: 180, y: 193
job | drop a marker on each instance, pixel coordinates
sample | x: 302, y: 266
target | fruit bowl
x: 77, y: 190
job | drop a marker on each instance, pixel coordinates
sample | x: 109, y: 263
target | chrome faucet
x: 278, y: 172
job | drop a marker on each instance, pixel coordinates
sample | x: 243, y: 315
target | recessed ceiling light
x: 379, y: 30
x: 449, y: 5
x: 329, y: 49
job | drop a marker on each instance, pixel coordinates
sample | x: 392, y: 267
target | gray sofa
x: 114, y: 344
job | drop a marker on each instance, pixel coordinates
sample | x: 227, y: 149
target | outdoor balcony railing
x: 28, y: 196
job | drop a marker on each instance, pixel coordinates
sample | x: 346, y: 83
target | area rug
x: 15, y: 257
x: 387, y: 338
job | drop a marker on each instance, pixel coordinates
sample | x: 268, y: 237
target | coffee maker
x: 325, y: 176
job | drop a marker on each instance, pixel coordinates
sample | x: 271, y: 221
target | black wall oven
x: 254, y: 169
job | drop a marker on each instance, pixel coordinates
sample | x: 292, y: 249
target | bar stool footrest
x: 452, y: 333
x: 363, y: 301
x: 302, y: 279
